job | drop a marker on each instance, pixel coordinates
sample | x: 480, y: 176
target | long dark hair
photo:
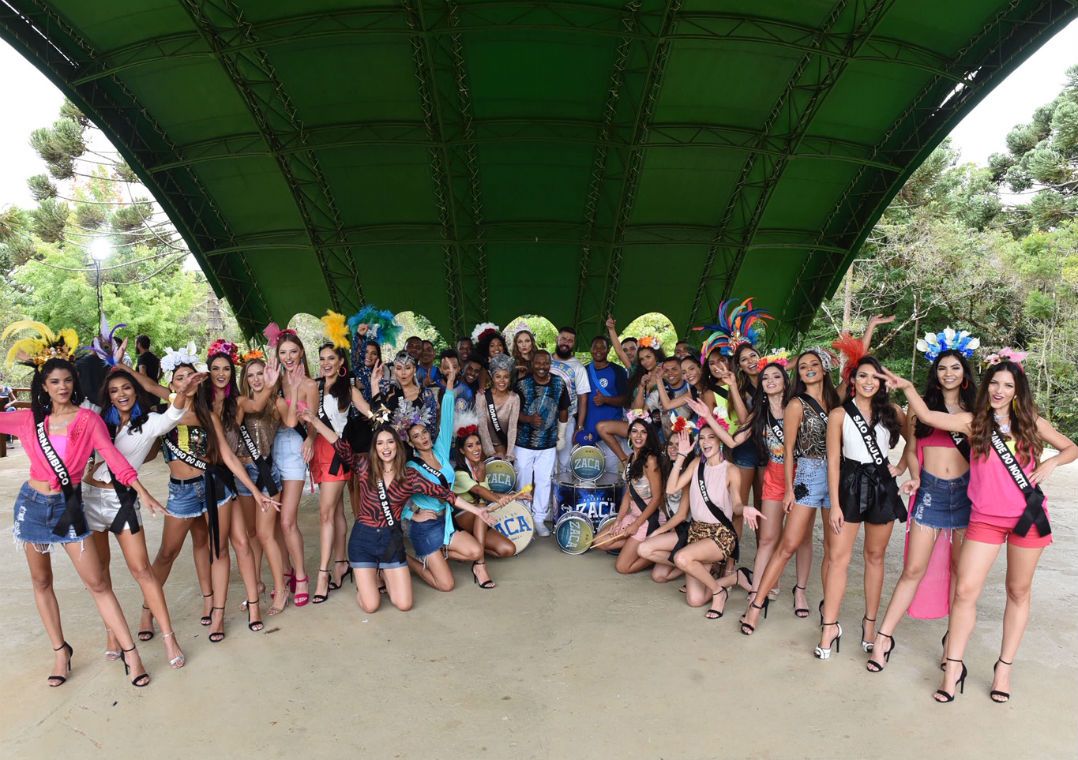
x: 761, y: 407
x: 140, y: 412
x: 651, y: 448
x: 456, y: 456
x: 743, y: 382
x: 40, y: 403
x: 639, y: 372
x: 933, y: 393
x: 204, y: 407
x: 342, y: 387
x: 1028, y: 444
x: 376, y: 472
x: 797, y: 387
x: 481, y: 350
x: 883, y: 411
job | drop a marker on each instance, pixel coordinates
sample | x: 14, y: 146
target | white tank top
x: 853, y: 445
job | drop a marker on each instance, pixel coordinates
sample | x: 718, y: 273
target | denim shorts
x: 252, y: 473
x: 36, y: 514
x: 942, y: 504
x: 810, y: 483
x: 427, y: 537
x: 376, y: 548
x: 187, y: 498
x: 288, y: 461
x: 745, y: 455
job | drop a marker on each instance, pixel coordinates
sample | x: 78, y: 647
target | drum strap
x: 1034, y: 513
x: 495, y: 423
x: 73, y: 515
x: 717, y: 513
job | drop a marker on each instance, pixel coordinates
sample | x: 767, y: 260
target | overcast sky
x: 34, y: 102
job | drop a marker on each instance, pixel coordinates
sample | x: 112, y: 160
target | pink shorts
x: 774, y: 481
x: 642, y: 531
x: 991, y: 533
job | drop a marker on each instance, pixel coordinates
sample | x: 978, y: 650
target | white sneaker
x: 541, y: 529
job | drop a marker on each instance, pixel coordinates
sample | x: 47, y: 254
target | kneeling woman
x: 471, y: 486
x: 434, y: 538
x: 710, y: 539
x: 638, y: 514
x: 860, y: 435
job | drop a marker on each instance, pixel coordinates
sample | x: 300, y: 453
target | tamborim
x: 587, y: 462
x: 574, y: 532
x: 515, y: 523
x: 501, y: 475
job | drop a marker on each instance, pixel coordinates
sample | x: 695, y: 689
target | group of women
x: 410, y: 447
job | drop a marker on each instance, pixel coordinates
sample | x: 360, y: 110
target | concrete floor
x: 563, y: 659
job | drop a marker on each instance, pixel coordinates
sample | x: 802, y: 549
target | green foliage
x: 59, y: 146
x: 41, y: 187
x: 50, y: 220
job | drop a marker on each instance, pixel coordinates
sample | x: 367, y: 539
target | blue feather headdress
x: 959, y: 340
x: 736, y: 325
x: 105, y: 344
x: 382, y: 325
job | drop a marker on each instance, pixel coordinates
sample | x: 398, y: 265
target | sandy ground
x: 563, y: 659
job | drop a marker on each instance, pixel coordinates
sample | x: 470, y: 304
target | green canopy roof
x: 479, y: 160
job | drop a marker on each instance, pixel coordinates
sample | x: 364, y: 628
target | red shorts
x: 993, y: 533
x: 774, y: 481
x: 321, y: 459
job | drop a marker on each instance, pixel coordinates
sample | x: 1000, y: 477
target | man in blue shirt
x: 609, y: 393
x: 544, y: 411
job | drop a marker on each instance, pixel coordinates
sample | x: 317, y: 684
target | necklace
x: 1004, y: 423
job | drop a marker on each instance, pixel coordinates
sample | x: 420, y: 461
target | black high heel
x: 217, y: 636
x: 346, y: 574
x: 874, y: 666
x: 821, y: 612
x: 138, y: 681
x: 714, y: 614
x: 207, y: 619
x: 866, y: 646
x: 996, y: 692
x: 146, y: 635
x: 746, y: 629
x: 960, y: 685
x: 257, y: 625
x: 485, y: 585
x: 55, y: 681
x: 943, y: 644
x: 319, y: 598
x: 748, y: 578
x: 823, y: 653
x: 799, y: 610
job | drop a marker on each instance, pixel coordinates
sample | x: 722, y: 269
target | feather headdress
x: 336, y: 329
x: 959, y: 340
x: 779, y: 356
x: 382, y: 325
x: 173, y: 358
x: 34, y: 351
x: 484, y: 330
x: 105, y: 343
x: 466, y: 422
x: 407, y: 415
x: 736, y: 326
x: 852, y: 350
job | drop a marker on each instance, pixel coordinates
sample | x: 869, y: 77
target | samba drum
x: 515, y: 523
x: 574, y: 532
x: 587, y: 462
x: 501, y: 475
x: 595, y: 499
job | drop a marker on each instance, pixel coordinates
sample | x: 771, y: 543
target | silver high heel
x: 866, y: 646
x: 825, y: 653
x: 112, y: 655
x: 179, y: 660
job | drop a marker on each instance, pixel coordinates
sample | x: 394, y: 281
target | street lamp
x: 100, y: 249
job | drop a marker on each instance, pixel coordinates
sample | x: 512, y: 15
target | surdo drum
x: 515, y: 523
x: 501, y: 475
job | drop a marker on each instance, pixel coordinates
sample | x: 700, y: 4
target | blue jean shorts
x: 36, y: 514
x: 252, y: 473
x: 288, y: 461
x: 427, y: 537
x: 745, y: 455
x: 376, y: 548
x: 942, y: 504
x: 187, y: 498
x: 810, y: 483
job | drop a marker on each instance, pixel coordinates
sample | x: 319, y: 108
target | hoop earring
x: 965, y: 383
x: 342, y: 372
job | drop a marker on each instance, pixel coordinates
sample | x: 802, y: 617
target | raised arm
x: 611, y: 330
x: 678, y: 478
x: 958, y: 422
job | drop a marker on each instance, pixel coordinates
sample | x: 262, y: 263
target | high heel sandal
x: 55, y: 681
x: 875, y: 666
x: 346, y: 574
x: 179, y: 660
x: 218, y: 636
x: 996, y: 692
x: 801, y: 612
x: 866, y: 646
x: 943, y: 644
x: 319, y: 598
x: 146, y: 634
x: 748, y: 578
x: 112, y: 655
x: 714, y: 614
x: 290, y: 579
x: 824, y: 653
x: 821, y: 612
x: 960, y: 685
x: 139, y: 681
x: 300, y: 599
x: 257, y: 625
x: 207, y: 619
x: 746, y: 629
x: 488, y: 583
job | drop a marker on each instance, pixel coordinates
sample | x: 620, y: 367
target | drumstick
x: 521, y: 492
x: 606, y: 540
